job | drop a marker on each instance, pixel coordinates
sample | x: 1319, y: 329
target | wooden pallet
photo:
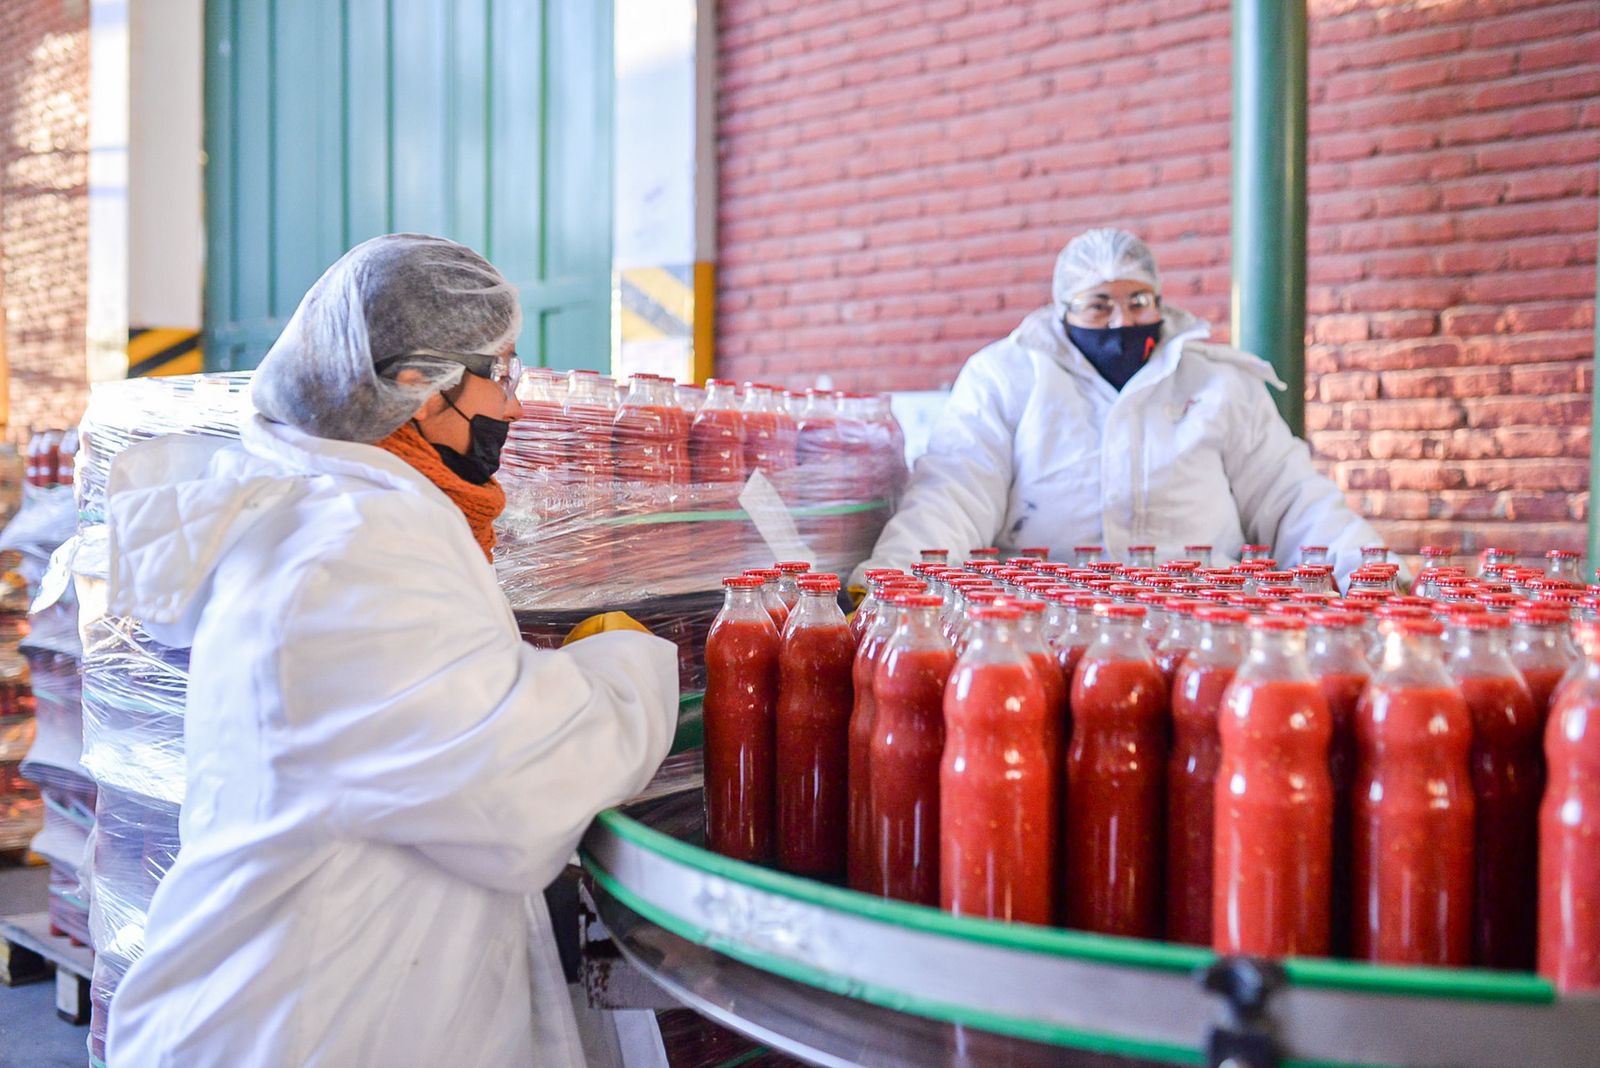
x: 29, y: 953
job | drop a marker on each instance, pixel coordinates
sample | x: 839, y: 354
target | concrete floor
x: 31, y: 1035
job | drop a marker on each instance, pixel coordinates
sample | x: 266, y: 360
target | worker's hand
x: 603, y: 622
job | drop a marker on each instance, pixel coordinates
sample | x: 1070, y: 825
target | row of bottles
x: 50, y: 458
x: 1166, y: 752
x: 657, y: 431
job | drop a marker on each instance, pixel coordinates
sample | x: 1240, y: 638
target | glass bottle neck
x: 817, y: 609
x: 744, y: 604
x: 1280, y: 654
x: 919, y: 627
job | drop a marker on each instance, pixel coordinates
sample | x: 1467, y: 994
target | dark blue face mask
x: 486, y: 436
x: 1117, y: 352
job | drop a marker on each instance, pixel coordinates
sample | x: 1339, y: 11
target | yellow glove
x: 603, y: 622
x: 857, y: 594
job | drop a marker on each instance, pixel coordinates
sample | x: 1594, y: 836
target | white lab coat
x: 380, y: 773
x: 1034, y: 448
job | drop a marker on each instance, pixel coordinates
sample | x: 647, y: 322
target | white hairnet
x: 387, y: 297
x: 1096, y: 257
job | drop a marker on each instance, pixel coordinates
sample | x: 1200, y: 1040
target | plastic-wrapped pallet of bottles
x: 49, y: 651
x: 133, y: 688
x: 642, y: 497
x: 32, y: 814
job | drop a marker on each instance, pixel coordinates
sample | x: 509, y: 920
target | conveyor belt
x: 840, y: 977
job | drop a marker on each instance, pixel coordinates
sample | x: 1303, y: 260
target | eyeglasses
x: 1098, y: 308
x: 504, y: 371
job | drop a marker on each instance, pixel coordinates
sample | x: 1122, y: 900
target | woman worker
x: 381, y: 776
x: 1107, y: 418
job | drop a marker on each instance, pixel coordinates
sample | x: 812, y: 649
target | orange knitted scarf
x: 480, y: 504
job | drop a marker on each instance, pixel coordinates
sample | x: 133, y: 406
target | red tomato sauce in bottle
x: 1412, y: 826
x: 1274, y: 801
x: 906, y: 749
x: 862, y: 854
x: 997, y: 797
x: 1116, y: 770
x: 716, y: 437
x: 1336, y: 654
x: 1197, y: 690
x: 740, y: 708
x: 1507, y: 781
x: 1569, y: 828
x: 813, y: 732
x: 1542, y: 650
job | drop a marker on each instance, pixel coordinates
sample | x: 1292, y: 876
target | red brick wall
x: 896, y: 178
x: 44, y: 207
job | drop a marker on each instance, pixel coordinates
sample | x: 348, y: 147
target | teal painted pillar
x: 1269, y: 191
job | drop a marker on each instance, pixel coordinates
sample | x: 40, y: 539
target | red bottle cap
x: 763, y: 573
x: 1037, y: 552
x: 1427, y: 627
x: 1313, y: 548
x: 713, y: 381
x: 1254, y: 604
x: 1254, y: 548
x: 792, y: 567
x: 989, y: 551
x: 1141, y: 548
x: 820, y: 583
x: 742, y: 582
x: 1197, y: 548
x: 1181, y: 566
x: 1498, y: 599
x: 1215, y: 596
x: 1229, y: 581
x: 934, y: 550
x: 1480, y: 620
x: 1212, y: 613
x: 1278, y: 620
x: 1252, y: 567
x: 997, y: 611
x: 1437, y: 550
x: 1335, y: 620
x: 1403, y: 611
x: 919, y: 600
x: 1026, y: 605
x: 1308, y: 570
x: 1119, y: 611
x: 1539, y: 614
x: 1088, y: 548
x: 1186, y: 605
x: 1374, y: 548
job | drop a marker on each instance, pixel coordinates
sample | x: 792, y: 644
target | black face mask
x: 1117, y: 352
x: 486, y: 437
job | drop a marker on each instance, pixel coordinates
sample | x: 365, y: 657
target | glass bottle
x: 1413, y: 820
x: 1542, y: 649
x: 859, y: 871
x: 1569, y: 829
x: 1141, y: 556
x: 769, y: 432
x: 906, y: 747
x: 1274, y: 798
x: 770, y: 597
x: 740, y: 709
x: 1314, y: 555
x: 1254, y: 553
x: 1507, y: 780
x: 997, y: 796
x: 1563, y: 564
x: 1181, y: 634
x: 716, y: 437
x: 1199, y: 553
x: 1197, y: 690
x: 814, y: 706
x: 1115, y: 781
x: 1336, y: 654
x: 789, y: 572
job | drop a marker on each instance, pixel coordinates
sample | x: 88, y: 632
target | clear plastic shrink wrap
x: 637, y: 503
x: 45, y: 520
x: 133, y: 688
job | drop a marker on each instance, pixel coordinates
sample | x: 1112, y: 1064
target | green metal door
x: 486, y: 121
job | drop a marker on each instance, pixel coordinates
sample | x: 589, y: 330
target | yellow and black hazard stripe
x: 164, y: 351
